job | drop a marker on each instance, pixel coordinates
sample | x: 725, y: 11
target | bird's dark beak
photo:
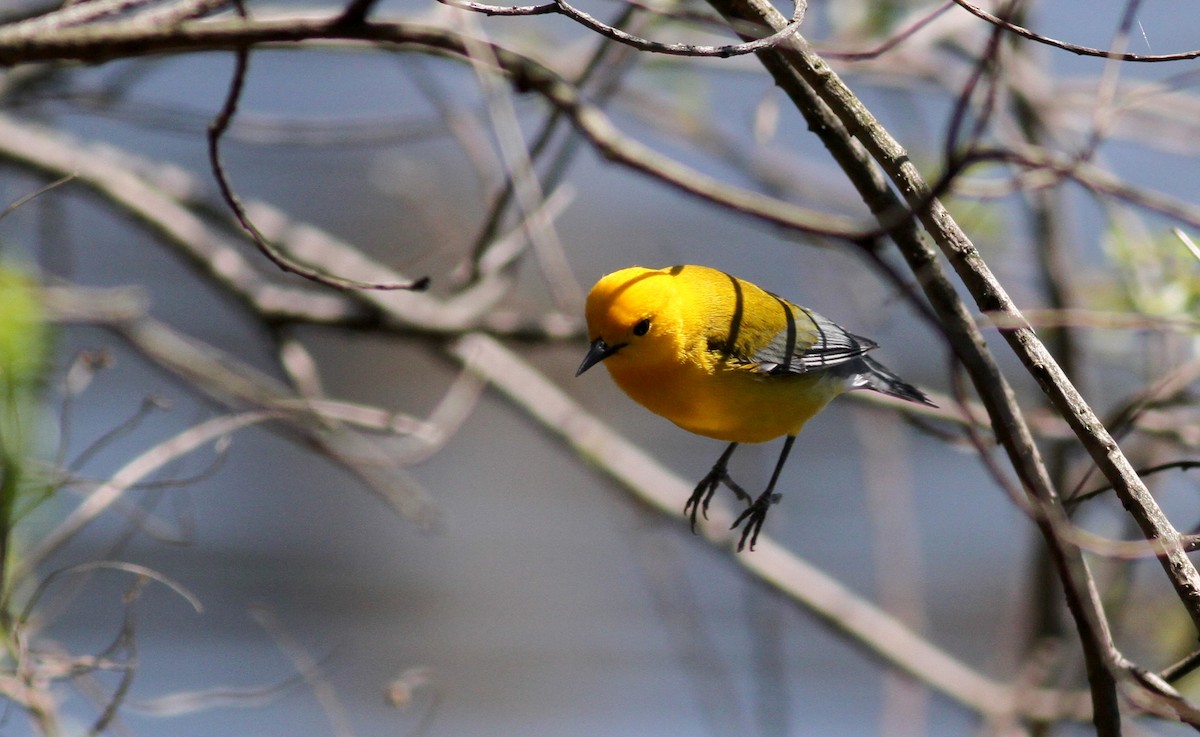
x: 598, y: 351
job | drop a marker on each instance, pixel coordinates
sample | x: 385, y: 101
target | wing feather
x: 809, y: 342
x: 759, y: 331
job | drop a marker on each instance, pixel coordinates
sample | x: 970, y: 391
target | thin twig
x: 517, y: 163
x: 18, y: 203
x: 126, y: 641
x: 116, y: 565
x: 724, y: 51
x: 218, y: 127
x: 614, y: 33
x: 1073, y: 48
x: 1143, y: 472
x: 130, y: 474
x: 893, y: 39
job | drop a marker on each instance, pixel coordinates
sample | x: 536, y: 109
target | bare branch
x: 850, y: 131
x: 164, y: 202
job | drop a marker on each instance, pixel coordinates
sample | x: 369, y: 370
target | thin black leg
x: 697, y: 503
x: 756, y: 513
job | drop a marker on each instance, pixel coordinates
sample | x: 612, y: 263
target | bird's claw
x: 754, y: 516
x: 697, y: 503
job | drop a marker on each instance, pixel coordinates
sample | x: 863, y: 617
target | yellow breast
x: 727, y: 402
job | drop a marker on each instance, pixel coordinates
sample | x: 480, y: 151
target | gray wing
x: 810, y: 343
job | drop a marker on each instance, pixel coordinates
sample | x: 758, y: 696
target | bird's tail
x: 877, y: 377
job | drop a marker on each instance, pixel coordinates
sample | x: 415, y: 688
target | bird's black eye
x: 642, y: 327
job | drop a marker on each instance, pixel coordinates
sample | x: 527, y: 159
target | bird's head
x: 632, y: 319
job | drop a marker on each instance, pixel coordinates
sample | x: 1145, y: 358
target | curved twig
x: 215, y: 131
x: 565, y: 8
x: 676, y: 49
x: 893, y: 40
x: 132, y: 568
x: 1073, y: 48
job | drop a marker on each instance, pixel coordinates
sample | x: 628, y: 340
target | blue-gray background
x: 550, y: 603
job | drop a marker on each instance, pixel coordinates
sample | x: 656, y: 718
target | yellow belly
x: 731, y: 404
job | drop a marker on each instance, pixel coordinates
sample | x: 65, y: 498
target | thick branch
x: 836, y: 115
x: 990, y: 296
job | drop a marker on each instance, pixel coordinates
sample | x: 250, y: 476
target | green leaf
x: 23, y: 333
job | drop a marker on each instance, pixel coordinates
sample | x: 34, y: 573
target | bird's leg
x: 737, y: 490
x: 756, y: 513
x: 697, y: 503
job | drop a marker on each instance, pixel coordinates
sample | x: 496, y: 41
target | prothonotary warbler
x: 723, y: 358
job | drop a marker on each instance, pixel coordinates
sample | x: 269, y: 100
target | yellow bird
x: 723, y: 358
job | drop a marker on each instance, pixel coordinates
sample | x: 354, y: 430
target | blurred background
x: 526, y: 592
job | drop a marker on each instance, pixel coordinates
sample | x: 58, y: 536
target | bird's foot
x: 753, y: 517
x: 697, y: 503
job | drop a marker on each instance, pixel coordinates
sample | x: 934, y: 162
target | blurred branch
x: 101, y: 44
x: 516, y: 161
x: 309, y: 669
x: 131, y: 473
x: 95, y: 565
x: 321, y: 423
x: 180, y: 10
x: 72, y: 14
x: 1045, y: 168
x: 219, y: 697
x: 165, y: 200
x: 239, y: 386
x: 37, y: 668
x: 606, y: 63
x: 925, y: 18
x: 877, y: 632
x: 82, y: 13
